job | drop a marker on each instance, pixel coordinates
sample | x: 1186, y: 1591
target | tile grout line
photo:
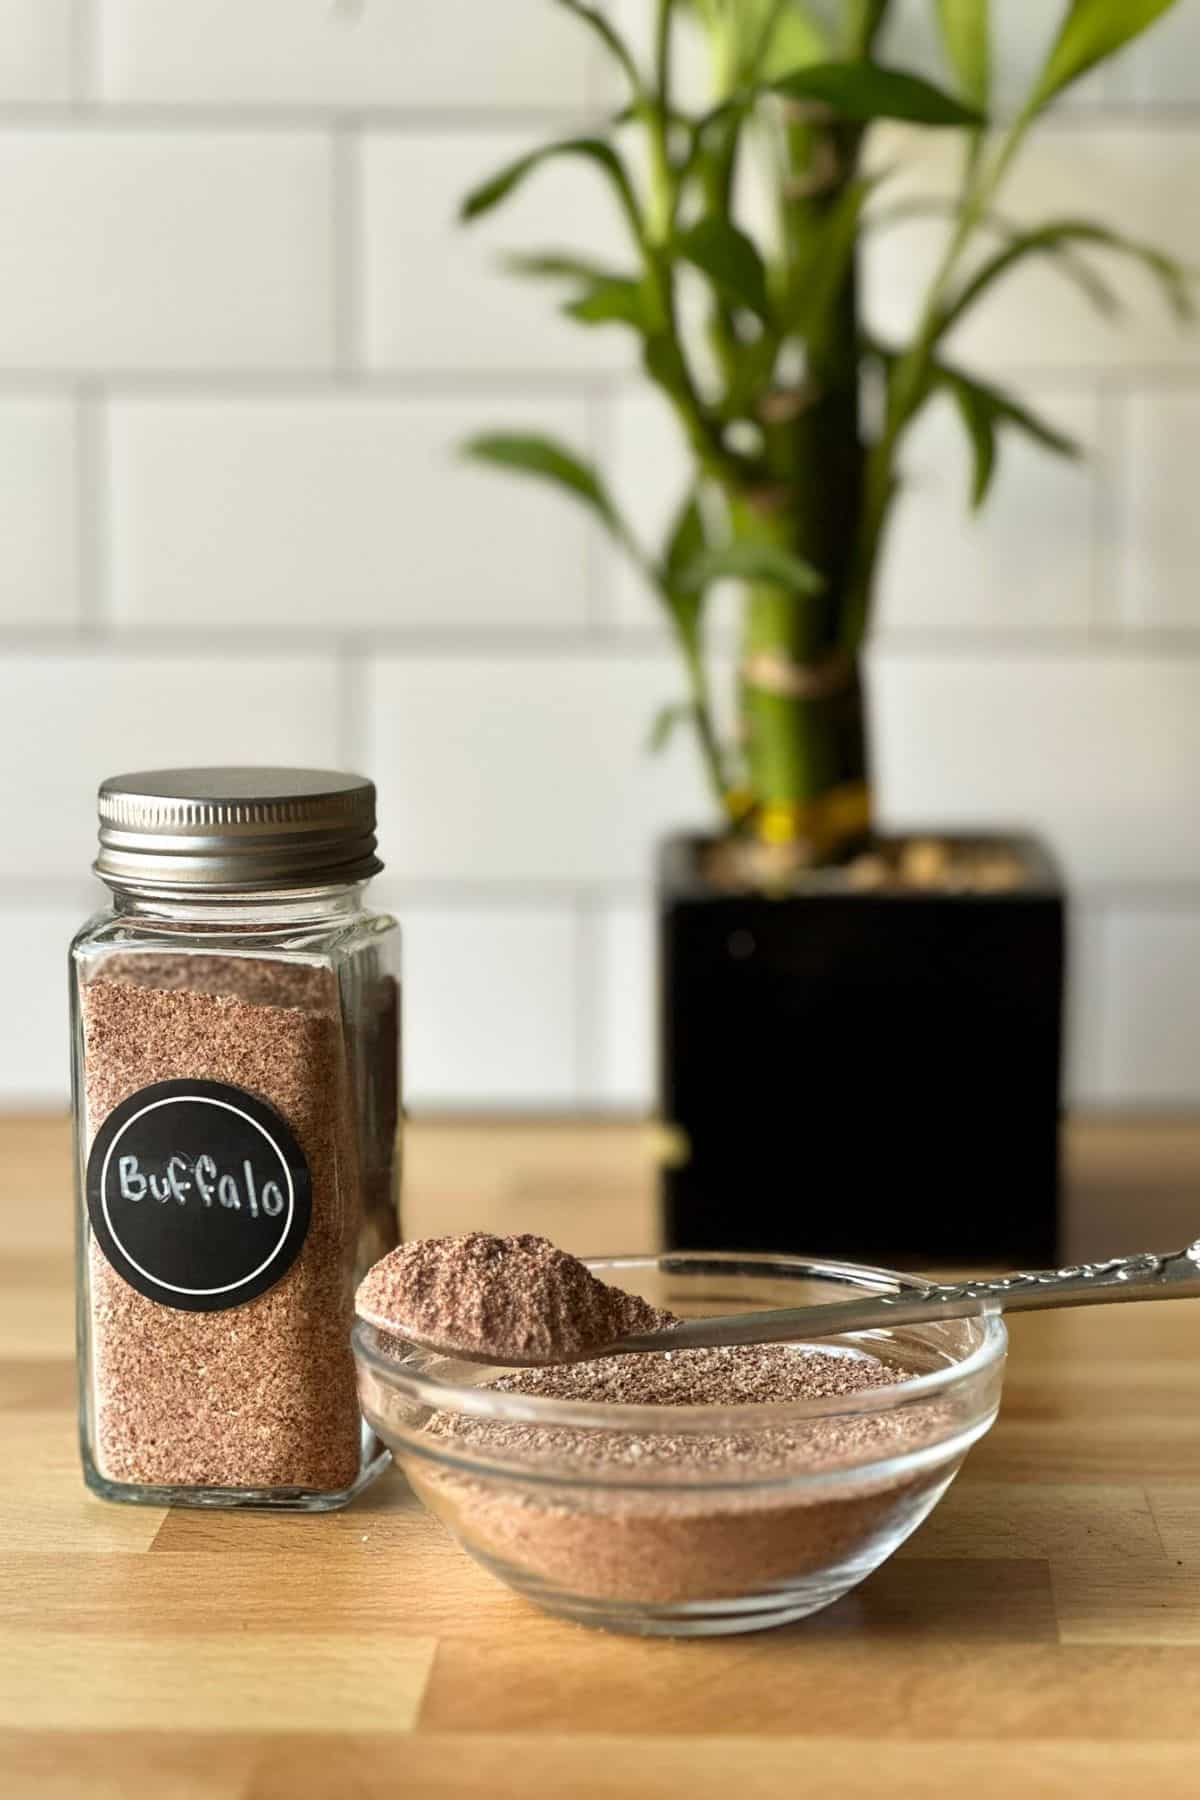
x: 619, y: 643
x: 448, y: 382
x: 599, y: 608
x: 93, y: 504
x: 318, y: 381
x: 443, y: 118
x: 98, y: 112
x: 353, y: 688
x: 453, y: 643
x: 83, y: 51
x: 1110, y: 520
x: 347, y: 247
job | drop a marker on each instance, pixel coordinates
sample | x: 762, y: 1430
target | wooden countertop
x: 1040, y: 1634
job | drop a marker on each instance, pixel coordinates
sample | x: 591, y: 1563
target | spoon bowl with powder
x: 690, y: 1491
x: 519, y: 1301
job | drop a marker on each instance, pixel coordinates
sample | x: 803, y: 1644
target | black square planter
x: 873, y: 1075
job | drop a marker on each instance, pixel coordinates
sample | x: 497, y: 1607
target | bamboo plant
x: 794, y: 474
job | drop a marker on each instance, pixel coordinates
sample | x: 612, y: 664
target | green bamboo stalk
x: 801, y: 700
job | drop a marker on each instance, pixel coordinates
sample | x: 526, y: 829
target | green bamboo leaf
x: 730, y: 260
x: 777, y: 36
x: 1055, y: 239
x: 1092, y: 31
x: 612, y: 40
x: 863, y: 91
x: 663, y: 724
x: 1011, y: 412
x: 547, y: 461
x: 553, y: 265
x: 660, y: 359
x: 966, y: 34
x: 605, y: 296
x: 686, y: 541
x: 984, y: 409
x: 752, y: 562
x: 615, y: 301
x: 1075, y: 269
x: 685, y: 545
x: 497, y: 188
x: 979, y: 417
x: 862, y: 24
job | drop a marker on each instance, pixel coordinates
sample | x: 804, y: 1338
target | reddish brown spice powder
x: 500, y: 1299
x: 722, y: 1520
x: 260, y: 1395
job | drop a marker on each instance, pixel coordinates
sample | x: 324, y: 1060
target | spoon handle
x: 1175, y: 1276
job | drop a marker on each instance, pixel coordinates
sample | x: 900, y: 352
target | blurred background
x: 240, y: 338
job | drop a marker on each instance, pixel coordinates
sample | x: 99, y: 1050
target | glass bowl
x: 623, y: 1517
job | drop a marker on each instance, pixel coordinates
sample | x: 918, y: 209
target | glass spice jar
x: 236, y: 1079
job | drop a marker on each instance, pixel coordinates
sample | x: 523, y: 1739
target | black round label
x: 199, y: 1194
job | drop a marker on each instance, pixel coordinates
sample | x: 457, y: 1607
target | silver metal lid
x: 235, y: 830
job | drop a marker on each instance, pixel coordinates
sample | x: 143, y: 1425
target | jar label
x: 199, y: 1194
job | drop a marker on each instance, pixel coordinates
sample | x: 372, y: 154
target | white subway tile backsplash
x: 489, y: 1006
x: 339, y: 512
x: 1136, y: 181
x: 39, y: 548
x: 67, y: 720
x: 436, y: 293
x: 1160, y: 539
x: 1021, y: 564
x: 527, y: 768
x: 1098, y: 751
x: 35, y: 1067
x: 164, y: 249
x: 626, y: 1055
x: 418, y: 53
x: 35, y: 50
x: 1152, y: 1044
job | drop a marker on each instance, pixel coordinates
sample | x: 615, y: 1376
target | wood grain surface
x: 1039, y: 1636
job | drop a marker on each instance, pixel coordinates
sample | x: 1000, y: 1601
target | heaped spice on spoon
x: 500, y: 1299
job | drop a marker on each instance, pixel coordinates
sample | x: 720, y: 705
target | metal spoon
x: 1174, y: 1276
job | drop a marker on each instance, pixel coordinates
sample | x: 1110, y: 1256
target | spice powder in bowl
x: 690, y: 1492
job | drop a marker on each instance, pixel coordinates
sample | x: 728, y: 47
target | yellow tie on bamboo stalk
x: 832, y: 819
